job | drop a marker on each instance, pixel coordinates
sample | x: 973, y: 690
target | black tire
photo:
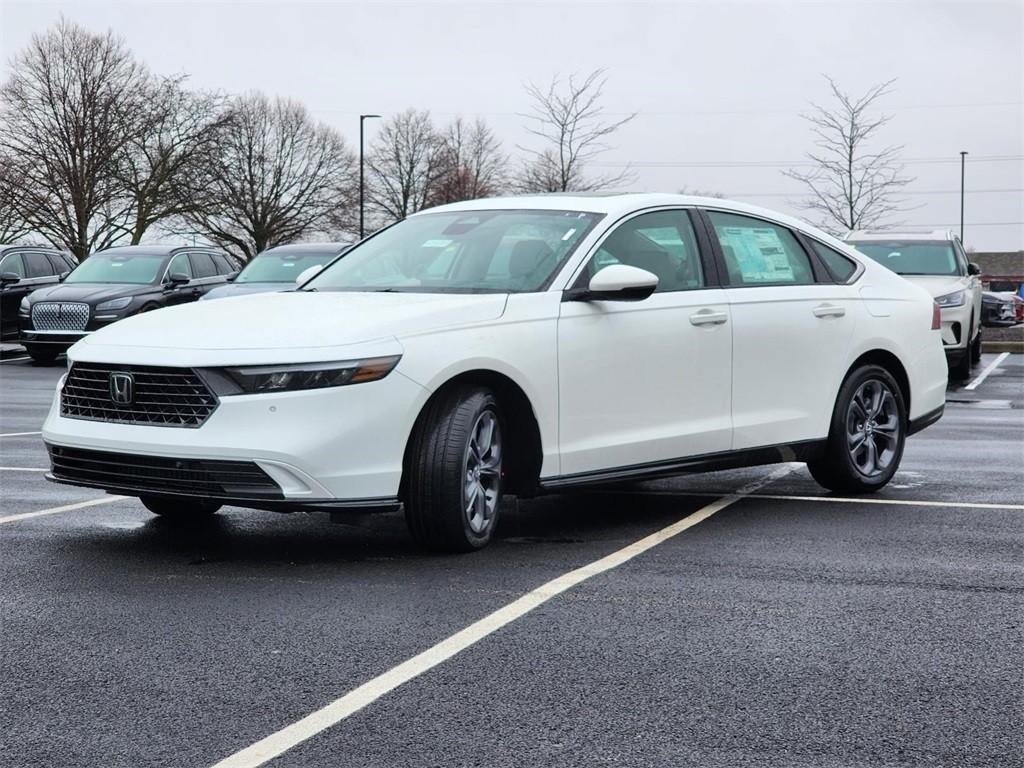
x: 42, y: 354
x: 846, y: 465
x: 445, y: 481
x: 961, y: 369
x: 976, y: 349
x: 179, y: 509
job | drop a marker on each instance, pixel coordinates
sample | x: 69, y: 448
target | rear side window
x: 223, y: 265
x: 12, y: 263
x: 661, y: 242
x: 841, y: 267
x: 37, y: 265
x: 58, y: 264
x: 757, y: 252
x: 202, y: 265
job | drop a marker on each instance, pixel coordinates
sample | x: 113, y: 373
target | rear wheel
x: 453, y: 470
x: 867, y: 434
x: 179, y: 509
x: 41, y: 354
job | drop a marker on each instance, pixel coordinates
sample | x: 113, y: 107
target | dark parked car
x: 276, y: 269
x: 998, y: 309
x: 113, y: 284
x: 22, y: 270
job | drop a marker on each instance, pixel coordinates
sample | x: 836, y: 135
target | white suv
x: 936, y: 261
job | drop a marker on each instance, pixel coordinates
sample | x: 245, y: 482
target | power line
x: 792, y: 163
x: 902, y: 192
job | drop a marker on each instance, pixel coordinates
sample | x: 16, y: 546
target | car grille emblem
x: 122, y: 388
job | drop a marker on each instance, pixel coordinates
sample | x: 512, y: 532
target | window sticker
x: 759, y: 253
x: 436, y: 243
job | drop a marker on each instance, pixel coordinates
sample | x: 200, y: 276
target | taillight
x: 936, y: 317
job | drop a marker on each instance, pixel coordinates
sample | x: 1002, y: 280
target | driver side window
x: 179, y: 265
x: 661, y: 242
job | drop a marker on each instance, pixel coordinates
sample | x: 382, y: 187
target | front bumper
x: 331, y: 448
x: 956, y: 327
x: 59, y: 340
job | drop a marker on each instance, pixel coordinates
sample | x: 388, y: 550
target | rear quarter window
x: 841, y: 267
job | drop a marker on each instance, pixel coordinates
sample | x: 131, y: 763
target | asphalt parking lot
x: 788, y: 628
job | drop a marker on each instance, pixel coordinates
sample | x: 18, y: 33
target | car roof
x: 156, y: 249
x: 334, y: 247
x: 47, y: 248
x: 863, y: 236
x: 618, y: 204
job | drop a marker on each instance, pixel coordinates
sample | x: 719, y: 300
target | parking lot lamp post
x: 362, y: 119
x: 963, y: 155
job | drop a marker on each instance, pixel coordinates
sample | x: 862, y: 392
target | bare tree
x: 853, y: 184
x: 163, y: 161
x: 276, y: 176
x: 571, y: 124
x: 404, y: 165
x: 68, y: 113
x: 13, y: 227
x: 471, y: 163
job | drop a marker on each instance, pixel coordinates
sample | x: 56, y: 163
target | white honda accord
x: 512, y: 346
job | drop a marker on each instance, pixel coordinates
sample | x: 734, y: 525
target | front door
x: 648, y: 381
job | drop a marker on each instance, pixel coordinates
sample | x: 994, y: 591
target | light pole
x: 963, y: 155
x: 362, y: 119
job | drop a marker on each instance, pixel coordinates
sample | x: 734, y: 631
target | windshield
x: 916, y: 257
x: 127, y: 268
x: 281, y: 267
x: 465, y: 252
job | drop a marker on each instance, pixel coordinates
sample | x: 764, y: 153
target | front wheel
x: 866, y: 436
x: 179, y: 509
x: 453, y: 472
x: 976, y: 349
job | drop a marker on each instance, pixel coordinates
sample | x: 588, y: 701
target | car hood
x: 939, y: 285
x: 292, y: 322
x: 90, y: 293
x: 244, y: 289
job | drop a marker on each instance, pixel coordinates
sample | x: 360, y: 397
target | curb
x: 1013, y: 347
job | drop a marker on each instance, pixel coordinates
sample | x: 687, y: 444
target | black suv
x: 115, y: 283
x: 24, y: 268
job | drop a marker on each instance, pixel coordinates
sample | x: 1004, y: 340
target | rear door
x: 791, y: 323
x: 644, y: 382
x: 12, y: 293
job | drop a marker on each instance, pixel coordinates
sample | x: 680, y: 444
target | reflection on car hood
x: 297, y: 319
x: 244, y: 289
x: 90, y: 293
x: 939, y: 285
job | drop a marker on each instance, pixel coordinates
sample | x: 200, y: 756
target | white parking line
x: 277, y: 743
x: 19, y: 434
x: 56, y: 510
x: 839, y: 499
x: 988, y: 369
x: 21, y: 469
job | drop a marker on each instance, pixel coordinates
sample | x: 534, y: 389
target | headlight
x: 952, y: 299
x: 114, y: 304
x: 24, y: 307
x: 282, y: 378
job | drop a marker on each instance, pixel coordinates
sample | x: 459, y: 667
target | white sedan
x: 517, y: 345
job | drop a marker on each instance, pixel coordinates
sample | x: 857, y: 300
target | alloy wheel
x: 873, y: 428
x: 482, y: 473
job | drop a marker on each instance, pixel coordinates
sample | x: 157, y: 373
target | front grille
x: 160, y: 397
x: 209, y: 478
x: 60, y: 316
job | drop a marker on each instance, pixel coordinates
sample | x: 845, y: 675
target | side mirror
x: 617, y: 282
x: 63, y: 276
x: 10, y: 278
x: 233, y: 275
x: 178, y: 279
x: 973, y: 269
x: 308, y: 273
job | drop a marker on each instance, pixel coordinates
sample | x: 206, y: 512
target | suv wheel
x: 179, y: 509
x: 454, y: 472
x: 866, y: 436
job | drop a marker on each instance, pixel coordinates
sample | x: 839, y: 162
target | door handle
x: 829, y: 310
x: 708, y: 317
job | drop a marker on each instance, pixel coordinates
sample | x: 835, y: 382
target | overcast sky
x: 718, y: 86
